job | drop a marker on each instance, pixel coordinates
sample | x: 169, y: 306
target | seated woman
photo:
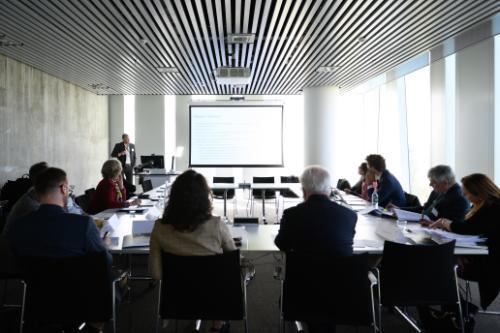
x: 481, y: 219
x: 361, y: 187
x: 188, y: 227
x: 110, y: 192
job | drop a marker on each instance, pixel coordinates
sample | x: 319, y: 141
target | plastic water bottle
x: 375, y: 196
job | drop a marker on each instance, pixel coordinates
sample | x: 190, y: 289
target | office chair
x: 418, y: 275
x: 412, y: 200
x: 66, y: 292
x: 147, y: 185
x: 219, y: 194
x: 289, y: 180
x: 83, y: 201
x: 202, y: 288
x: 9, y: 272
x: 322, y: 288
x: 269, y: 194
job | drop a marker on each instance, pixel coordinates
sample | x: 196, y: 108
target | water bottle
x: 375, y: 196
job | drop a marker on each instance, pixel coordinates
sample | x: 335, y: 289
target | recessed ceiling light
x: 327, y: 69
x: 144, y: 41
x: 361, y: 39
x: 167, y: 70
x: 241, y: 38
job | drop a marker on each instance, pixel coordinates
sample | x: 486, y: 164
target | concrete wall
x: 43, y: 118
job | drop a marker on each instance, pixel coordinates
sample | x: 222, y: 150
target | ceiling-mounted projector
x: 232, y: 75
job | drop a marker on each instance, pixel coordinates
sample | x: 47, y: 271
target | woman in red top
x: 110, y: 192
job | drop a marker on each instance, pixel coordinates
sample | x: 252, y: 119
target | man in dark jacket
x: 389, y: 189
x: 317, y: 225
x: 125, y: 152
x: 446, y: 199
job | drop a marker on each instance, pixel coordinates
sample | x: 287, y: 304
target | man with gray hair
x: 446, y: 199
x: 317, y: 225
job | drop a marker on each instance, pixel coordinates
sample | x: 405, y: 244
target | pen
x: 105, y: 234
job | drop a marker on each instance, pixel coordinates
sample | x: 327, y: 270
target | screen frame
x: 191, y: 165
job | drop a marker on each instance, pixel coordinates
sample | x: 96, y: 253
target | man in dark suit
x: 389, y: 189
x: 50, y: 231
x: 317, y: 225
x: 446, y: 199
x: 125, y: 152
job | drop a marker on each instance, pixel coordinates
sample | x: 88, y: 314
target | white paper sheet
x: 142, y: 227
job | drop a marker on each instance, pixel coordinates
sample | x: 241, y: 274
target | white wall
x: 43, y: 118
x: 150, y: 125
x: 475, y: 109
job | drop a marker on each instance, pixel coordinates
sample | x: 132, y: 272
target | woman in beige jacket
x: 188, y: 227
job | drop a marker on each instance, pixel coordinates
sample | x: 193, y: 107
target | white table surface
x: 261, y: 237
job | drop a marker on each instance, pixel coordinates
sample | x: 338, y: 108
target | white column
x: 320, y: 106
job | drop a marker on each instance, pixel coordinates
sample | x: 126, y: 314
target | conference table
x: 371, y: 231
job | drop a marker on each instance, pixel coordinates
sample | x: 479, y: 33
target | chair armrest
x: 373, y: 279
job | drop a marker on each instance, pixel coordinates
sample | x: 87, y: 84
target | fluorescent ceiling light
x: 327, y: 69
x: 240, y: 38
x: 166, y: 70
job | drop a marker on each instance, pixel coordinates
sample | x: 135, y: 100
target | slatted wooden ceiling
x: 115, y: 47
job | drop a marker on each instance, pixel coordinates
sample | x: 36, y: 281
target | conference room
x: 274, y: 106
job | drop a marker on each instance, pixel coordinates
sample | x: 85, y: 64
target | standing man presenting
x: 125, y: 152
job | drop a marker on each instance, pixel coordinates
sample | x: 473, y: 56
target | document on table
x: 142, y: 227
x: 110, y: 225
x: 131, y: 241
x: 402, y: 214
x: 372, y: 243
x: 389, y: 231
x: 442, y: 236
x: 377, y: 211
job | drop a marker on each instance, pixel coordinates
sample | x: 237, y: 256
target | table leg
x: 264, y: 206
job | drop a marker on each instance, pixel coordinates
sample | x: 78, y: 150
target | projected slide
x: 250, y: 135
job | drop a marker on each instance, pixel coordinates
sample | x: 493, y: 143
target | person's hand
x: 426, y: 223
x: 135, y: 202
x: 441, y: 224
x: 390, y: 206
x: 120, y: 182
x: 347, y: 190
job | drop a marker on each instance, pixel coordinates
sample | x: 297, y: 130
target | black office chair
x: 412, y: 200
x: 343, y: 184
x: 202, y: 287
x: 66, y: 292
x: 9, y: 272
x: 269, y: 194
x: 83, y: 201
x: 418, y: 275
x: 321, y: 288
x: 147, y: 185
x: 219, y: 194
x: 289, y: 180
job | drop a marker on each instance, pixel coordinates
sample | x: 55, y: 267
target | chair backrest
x: 418, y: 274
x: 289, y: 180
x: 202, y: 287
x: 90, y: 192
x: 263, y: 180
x: 147, y: 185
x: 67, y: 290
x: 343, y: 184
x: 220, y: 193
x: 83, y: 201
x: 320, y: 287
x: 411, y: 200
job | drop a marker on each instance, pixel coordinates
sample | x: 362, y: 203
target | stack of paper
x: 409, y: 216
x: 441, y: 236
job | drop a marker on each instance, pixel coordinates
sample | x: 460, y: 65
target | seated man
x: 446, y: 199
x: 317, y: 225
x: 50, y: 231
x: 28, y: 202
x: 389, y: 189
